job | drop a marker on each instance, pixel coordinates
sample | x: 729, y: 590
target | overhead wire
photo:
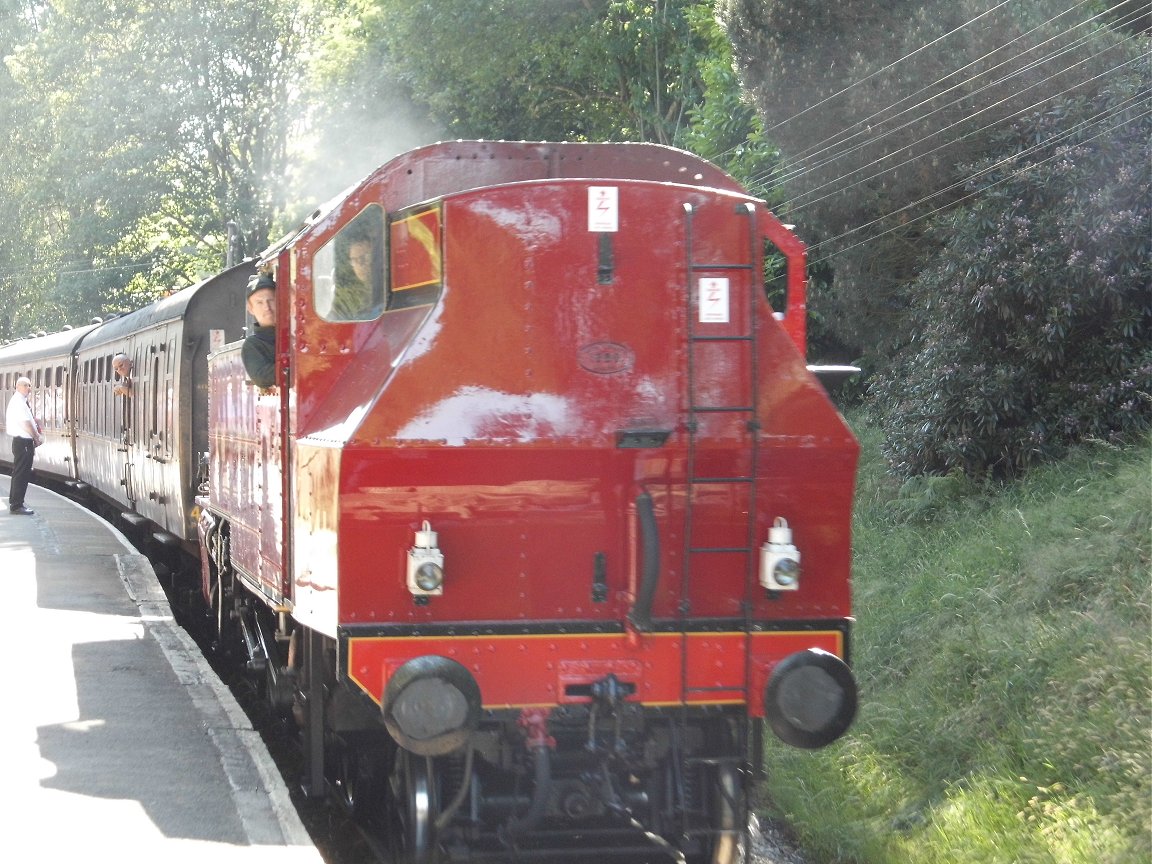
x: 983, y: 171
x: 843, y: 137
x: 797, y: 203
x: 787, y: 175
x: 864, y: 80
x: 49, y: 271
x: 891, y: 65
x: 1119, y: 108
x: 867, y: 123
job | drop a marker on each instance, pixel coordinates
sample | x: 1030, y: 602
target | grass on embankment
x: 1004, y: 655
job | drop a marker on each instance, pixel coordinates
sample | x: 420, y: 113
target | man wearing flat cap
x: 259, y: 349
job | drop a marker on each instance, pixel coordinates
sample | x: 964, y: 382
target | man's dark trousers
x: 22, y: 452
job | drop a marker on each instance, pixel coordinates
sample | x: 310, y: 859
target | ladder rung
x: 720, y: 479
x: 720, y: 338
x: 714, y: 409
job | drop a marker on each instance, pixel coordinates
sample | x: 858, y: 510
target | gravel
x: 771, y: 844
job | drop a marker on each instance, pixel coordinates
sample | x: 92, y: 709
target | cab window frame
x: 338, y: 287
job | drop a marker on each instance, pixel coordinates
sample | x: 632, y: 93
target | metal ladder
x: 743, y: 339
x: 746, y: 410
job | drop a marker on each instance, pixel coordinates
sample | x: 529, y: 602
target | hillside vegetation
x: 1003, y: 653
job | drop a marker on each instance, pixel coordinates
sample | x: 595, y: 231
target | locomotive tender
x: 546, y: 517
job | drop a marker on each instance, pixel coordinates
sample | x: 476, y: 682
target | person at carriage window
x: 122, y: 367
x: 258, y: 352
x: 26, y: 437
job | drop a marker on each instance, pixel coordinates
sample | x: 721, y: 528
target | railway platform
x: 117, y: 737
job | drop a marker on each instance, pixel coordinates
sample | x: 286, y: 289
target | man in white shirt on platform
x: 21, y: 425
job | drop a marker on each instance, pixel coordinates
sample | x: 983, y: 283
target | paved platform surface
x: 116, y: 736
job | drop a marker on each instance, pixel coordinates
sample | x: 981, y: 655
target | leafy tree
x: 723, y: 124
x: 152, y: 124
x: 546, y: 69
x: 155, y: 123
x: 22, y: 137
x: 360, y: 110
x: 1034, y: 324
x: 951, y: 171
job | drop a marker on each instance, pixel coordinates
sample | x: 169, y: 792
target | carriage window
x: 348, y: 272
x: 154, y: 395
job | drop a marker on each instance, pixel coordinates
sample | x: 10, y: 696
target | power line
x: 1000, y: 81
x: 846, y: 136
x: 45, y: 272
x: 868, y: 122
x: 869, y: 125
x: 1013, y: 158
x: 1048, y: 142
x: 842, y: 144
x: 797, y: 204
x: 891, y: 65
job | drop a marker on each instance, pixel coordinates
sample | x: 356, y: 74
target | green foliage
x: 143, y: 128
x: 1002, y: 649
x: 359, y: 105
x: 724, y: 127
x: 1035, y: 321
x: 600, y: 70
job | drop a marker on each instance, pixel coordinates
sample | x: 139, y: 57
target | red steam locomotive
x: 545, y: 518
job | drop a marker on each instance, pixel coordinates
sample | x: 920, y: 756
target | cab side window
x: 348, y: 271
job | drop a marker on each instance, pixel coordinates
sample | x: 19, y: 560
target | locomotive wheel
x: 718, y: 795
x: 348, y: 782
x: 355, y: 781
x: 415, y: 795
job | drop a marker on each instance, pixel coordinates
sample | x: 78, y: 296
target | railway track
x: 341, y: 840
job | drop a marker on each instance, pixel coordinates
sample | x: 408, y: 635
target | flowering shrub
x: 1034, y: 323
